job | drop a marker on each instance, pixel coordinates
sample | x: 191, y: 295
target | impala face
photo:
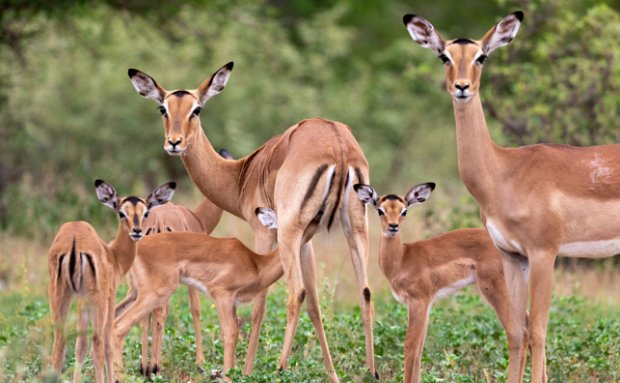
x: 180, y: 109
x: 132, y: 210
x: 391, y: 208
x: 463, y: 58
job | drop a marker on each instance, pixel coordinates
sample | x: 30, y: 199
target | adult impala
x: 305, y: 174
x: 539, y: 201
x: 422, y: 271
x: 81, y: 264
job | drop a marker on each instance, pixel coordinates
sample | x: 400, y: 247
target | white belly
x: 500, y: 240
x: 456, y: 286
x: 593, y: 249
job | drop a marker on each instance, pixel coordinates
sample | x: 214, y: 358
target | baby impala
x: 423, y: 271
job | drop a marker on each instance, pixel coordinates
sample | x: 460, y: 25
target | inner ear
x: 146, y: 85
x: 424, y: 33
x: 502, y: 33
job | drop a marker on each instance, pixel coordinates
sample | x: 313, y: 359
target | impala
x: 423, y: 271
x: 222, y: 267
x: 81, y: 264
x: 537, y: 202
x: 167, y: 218
x: 305, y: 174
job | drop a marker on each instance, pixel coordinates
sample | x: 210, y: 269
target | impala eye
x: 162, y: 110
x: 197, y: 111
x: 444, y: 58
x: 404, y: 213
x: 121, y: 215
x: 381, y: 212
x: 146, y: 214
x: 481, y: 58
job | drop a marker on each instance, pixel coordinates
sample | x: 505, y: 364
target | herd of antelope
x: 537, y: 202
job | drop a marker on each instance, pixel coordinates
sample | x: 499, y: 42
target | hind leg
x: 355, y: 229
x: 81, y: 343
x: 60, y: 301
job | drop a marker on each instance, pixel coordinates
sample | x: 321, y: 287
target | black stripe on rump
x: 89, y: 258
x: 315, y: 180
x: 333, y: 214
x: 62, y: 258
x: 72, y: 261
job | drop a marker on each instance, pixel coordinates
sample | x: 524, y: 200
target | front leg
x: 414, y: 340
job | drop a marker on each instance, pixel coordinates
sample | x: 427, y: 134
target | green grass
x: 465, y: 342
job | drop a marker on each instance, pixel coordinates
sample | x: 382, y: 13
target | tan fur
x: 423, y: 271
x: 279, y: 175
x: 81, y: 264
x: 537, y: 201
x: 171, y: 217
x: 228, y: 270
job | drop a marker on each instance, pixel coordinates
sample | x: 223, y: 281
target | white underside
x: 194, y: 283
x: 593, y: 249
x: 456, y: 286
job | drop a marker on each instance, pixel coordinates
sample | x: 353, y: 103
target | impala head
x: 180, y: 109
x: 392, y: 208
x: 132, y: 210
x: 463, y: 58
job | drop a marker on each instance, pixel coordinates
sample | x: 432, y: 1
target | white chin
x: 174, y: 153
x: 462, y: 97
x: 135, y: 239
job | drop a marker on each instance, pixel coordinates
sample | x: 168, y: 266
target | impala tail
x: 73, y: 265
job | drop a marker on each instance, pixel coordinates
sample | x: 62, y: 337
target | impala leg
x: 541, y: 284
x: 81, y: 343
x: 516, y: 270
x: 356, y: 232
x: 194, y: 307
x: 99, y: 322
x: 60, y: 301
x: 158, y: 320
x: 108, y: 336
x: 493, y: 287
x: 258, y: 315
x: 296, y: 296
x: 263, y: 242
x: 313, y: 307
x: 145, y: 328
x: 230, y: 328
x: 132, y: 293
x: 414, y: 340
x: 144, y: 304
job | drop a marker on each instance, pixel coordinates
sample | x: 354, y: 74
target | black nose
x: 392, y: 226
x: 461, y: 87
x: 137, y: 230
x: 174, y: 143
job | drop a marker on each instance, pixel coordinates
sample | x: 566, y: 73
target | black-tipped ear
x: 161, y: 194
x: 419, y: 193
x: 106, y: 194
x: 519, y: 15
x: 146, y: 85
x: 230, y: 65
x: 502, y: 33
x: 215, y: 84
x: 407, y: 18
x: 367, y: 194
x: 424, y: 33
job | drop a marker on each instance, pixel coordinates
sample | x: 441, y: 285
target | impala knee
x: 366, y: 293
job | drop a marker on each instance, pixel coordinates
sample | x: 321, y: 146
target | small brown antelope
x: 82, y: 264
x: 168, y: 218
x: 222, y: 267
x: 423, y: 271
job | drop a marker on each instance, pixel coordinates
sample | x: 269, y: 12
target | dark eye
x: 381, y: 213
x: 162, y: 110
x: 444, y: 58
x: 121, y: 215
x: 404, y: 213
x: 197, y: 111
x: 146, y: 214
x: 481, y: 58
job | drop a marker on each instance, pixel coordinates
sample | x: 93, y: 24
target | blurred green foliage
x: 69, y: 113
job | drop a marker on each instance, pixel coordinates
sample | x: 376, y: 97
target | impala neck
x: 123, y: 250
x: 391, y: 252
x: 477, y: 153
x: 208, y: 214
x: 269, y: 268
x: 216, y: 177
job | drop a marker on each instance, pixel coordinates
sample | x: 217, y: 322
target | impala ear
x: 419, y: 193
x: 146, y: 85
x: 106, y: 194
x: 215, y: 84
x: 225, y: 154
x: 424, y: 33
x: 367, y: 194
x: 161, y: 195
x: 267, y: 217
x: 503, y: 33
